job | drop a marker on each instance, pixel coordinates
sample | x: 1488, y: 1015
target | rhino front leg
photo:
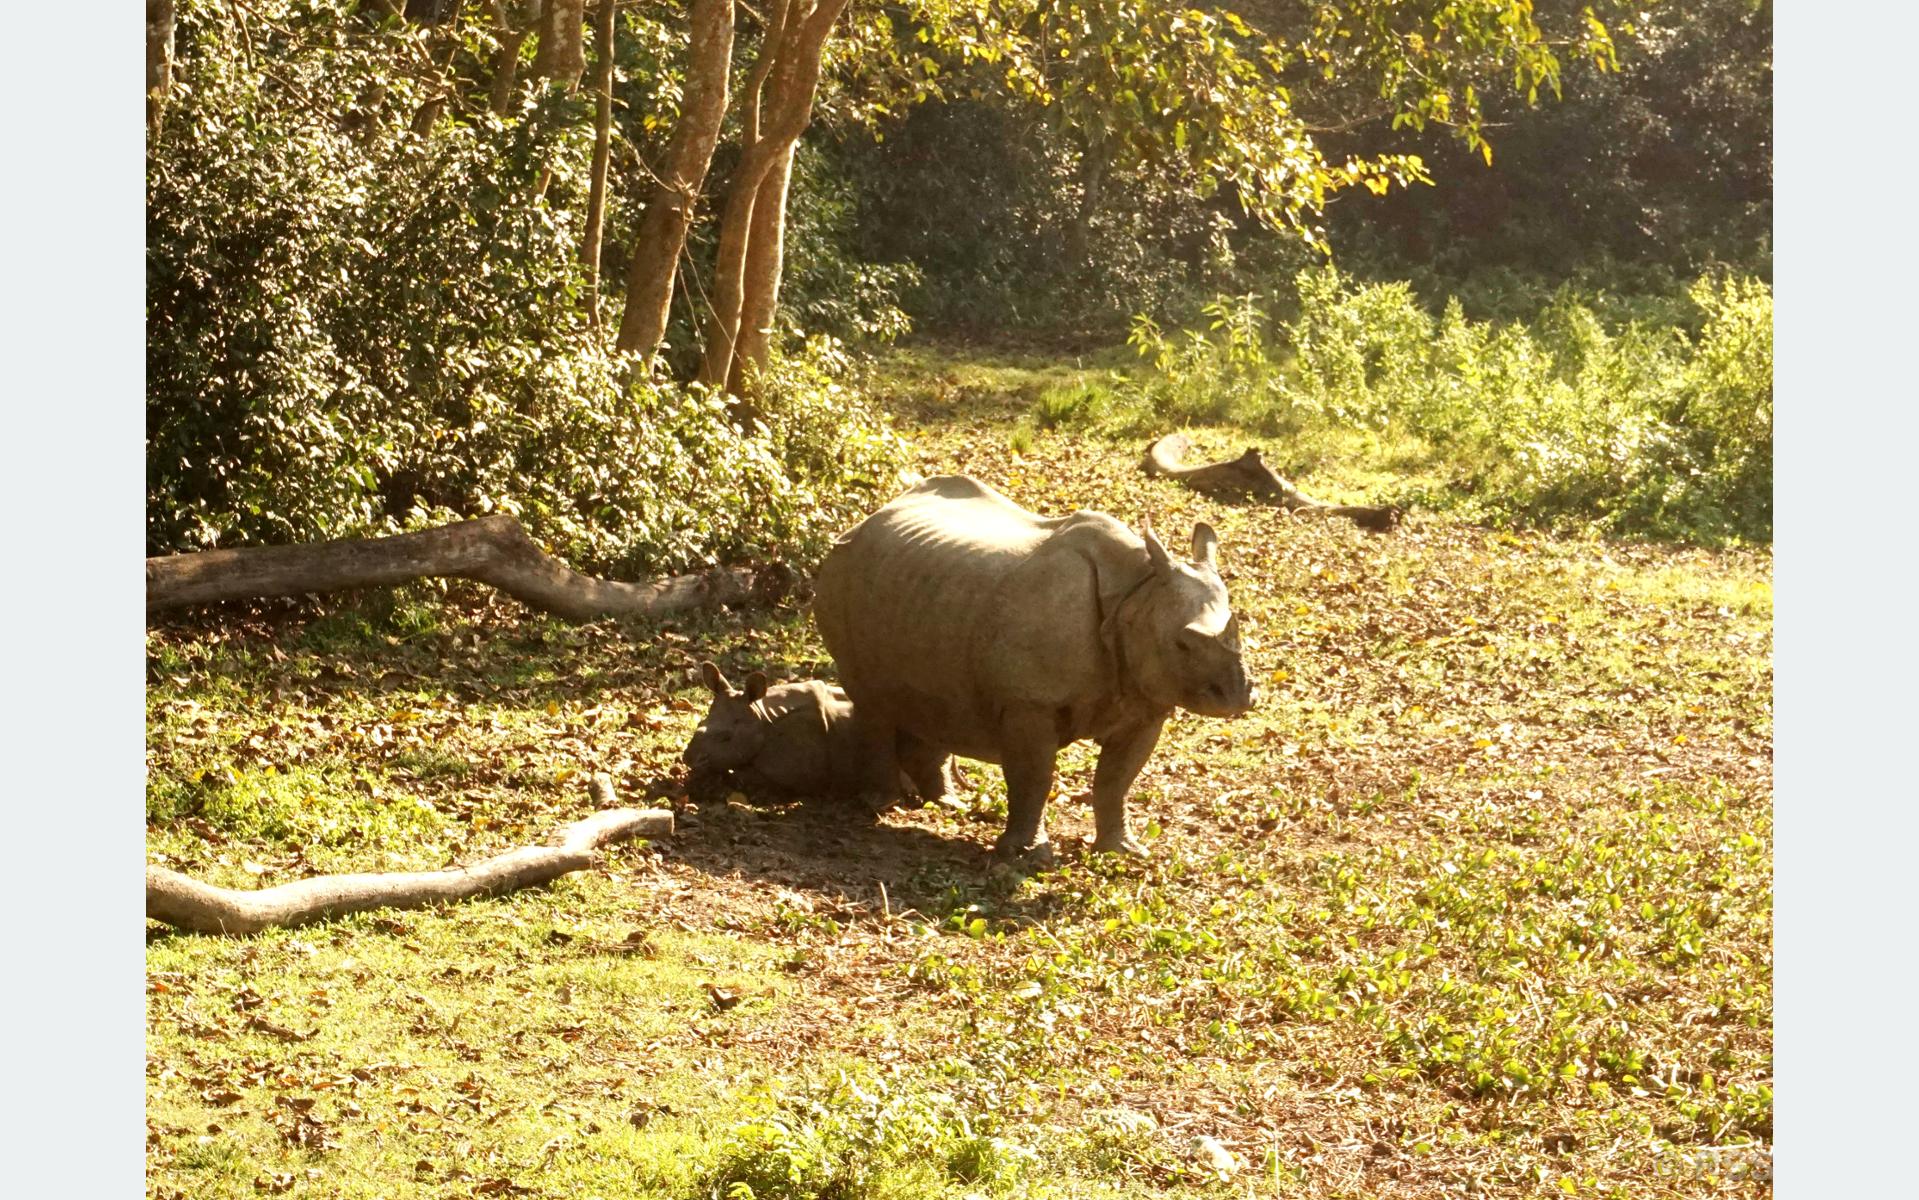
x: 1120, y: 760
x: 1027, y: 748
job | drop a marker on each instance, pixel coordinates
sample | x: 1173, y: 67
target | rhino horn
x: 1162, y: 561
x: 1205, y: 545
x: 715, y: 682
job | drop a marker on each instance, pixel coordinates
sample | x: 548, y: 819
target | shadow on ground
x: 851, y: 863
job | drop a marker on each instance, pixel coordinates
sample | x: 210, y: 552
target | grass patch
x: 1476, y: 901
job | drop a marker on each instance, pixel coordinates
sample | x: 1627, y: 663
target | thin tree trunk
x: 186, y: 903
x: 765, y: 260
x: 506, y: 60
x: 603, y: 44
x: 493, y: 550
x: 765, y: 247
x: 669, y: 212
x: 774, y: 53
x: 561, y: 55
x: 444, y: 19
x: 795, y: 84
x: 1092, y: 179
x: 772, y: 38
x: 159, y: 60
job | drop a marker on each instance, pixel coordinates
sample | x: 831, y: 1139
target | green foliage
x: 1065, y: 163
x: 851, y: 1139
x: 1208, y: 97
x: 975, y: 195
x: 354, y: 327
x: 1665, y: 161
x: 1635, y: 429
x: 1218, y: 373
x: 827, y: 288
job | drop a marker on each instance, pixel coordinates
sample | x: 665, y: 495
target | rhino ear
x: 715, y: 682
x: 755, y: 686
x: 1162, y: 561
x: 1205, y: 545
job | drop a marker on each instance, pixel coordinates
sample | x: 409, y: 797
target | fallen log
x: 186, y: 903
x: 493, y: 550
x: 1249, y: 475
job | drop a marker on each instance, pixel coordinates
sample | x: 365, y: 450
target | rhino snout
x: 1226, y: 698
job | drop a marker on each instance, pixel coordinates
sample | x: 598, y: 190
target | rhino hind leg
x: 924, y: 766
x: 1029, y: 750
x: 879, y: 775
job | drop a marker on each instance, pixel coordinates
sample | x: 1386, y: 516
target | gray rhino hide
x: 987, y: 631
x: 804, y: 721
x: 807, y: 746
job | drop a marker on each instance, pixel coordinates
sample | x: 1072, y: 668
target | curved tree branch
x: 493, y: 550
x: 186, y: 903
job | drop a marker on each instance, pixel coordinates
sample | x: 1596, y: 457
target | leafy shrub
x: 354, y: 327
x: 1635, y: 429
x: 826, y: 288
x: 1080, y: 403
x: 850, y: 1140
x: 1224, y: 371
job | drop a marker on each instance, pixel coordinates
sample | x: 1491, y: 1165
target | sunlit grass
x: 1477, y: 900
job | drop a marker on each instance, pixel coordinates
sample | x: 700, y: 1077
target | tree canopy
x: 411, y: 254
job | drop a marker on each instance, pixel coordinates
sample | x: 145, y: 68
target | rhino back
x: 811, y: 695
x: 801, y: 720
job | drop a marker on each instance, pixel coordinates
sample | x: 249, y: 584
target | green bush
x: 851, y: 1139
x: 1633, y: 429
x: 1225, y: 371
x: 354, y: 327
x: 826, y: 288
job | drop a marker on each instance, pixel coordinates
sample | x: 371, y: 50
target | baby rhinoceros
x: 790, y: 740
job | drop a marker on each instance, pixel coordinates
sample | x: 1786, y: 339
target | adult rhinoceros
x: 980, y: 628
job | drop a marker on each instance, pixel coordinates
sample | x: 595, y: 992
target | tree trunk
x: 765, y: 260
x: 493, y: 550
x: 506, y: 60
x: 443, y: 17
x: 603, y: 43
x: 669, y: 212
x: 795, y: 83
x: 774, y: 51
x: 1249, y: 475
x: 561, y: 55
x: 186, y: 903
x: 1092, y: 180
x: 159, y: 60
x: 772, y: 38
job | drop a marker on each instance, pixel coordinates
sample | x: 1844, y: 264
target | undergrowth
x: 1632, y: 429
x: 355, y: 328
